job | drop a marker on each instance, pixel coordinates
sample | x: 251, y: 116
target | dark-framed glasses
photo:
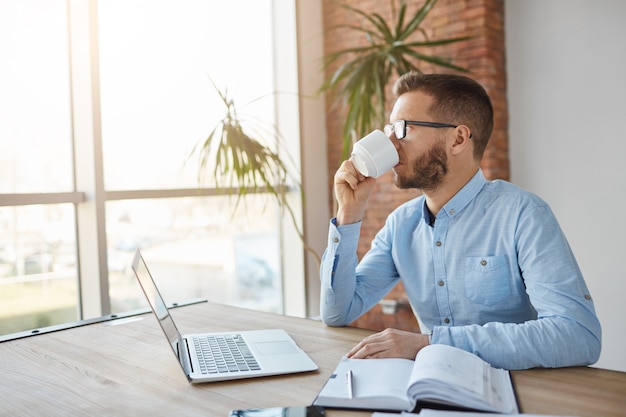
x: 399, y: 127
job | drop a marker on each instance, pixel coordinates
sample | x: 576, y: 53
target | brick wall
x: 483, y: 55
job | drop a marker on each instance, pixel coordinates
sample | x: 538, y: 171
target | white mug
x: 374, y: 154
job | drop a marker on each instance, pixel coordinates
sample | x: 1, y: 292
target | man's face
x: 423, y: 159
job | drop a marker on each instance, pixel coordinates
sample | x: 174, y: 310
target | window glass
x: 158, y: 60
x: 35, y: 122
x: 38, y: 278
x: 160, y: 64
x: 196, y: 248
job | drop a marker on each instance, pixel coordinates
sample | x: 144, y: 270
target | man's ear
x: 462, y: 139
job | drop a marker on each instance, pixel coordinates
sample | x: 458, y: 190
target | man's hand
x: 390, y: 343
x: 352, y: 190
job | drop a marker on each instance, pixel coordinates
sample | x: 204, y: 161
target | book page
x: 450, y: 365
x: 444, y: 413
x: 448, y: 375
x: 376, y: 384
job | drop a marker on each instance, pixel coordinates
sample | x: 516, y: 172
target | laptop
x: 207, y: 357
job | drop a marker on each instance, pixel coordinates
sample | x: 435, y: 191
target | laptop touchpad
x: 275, y: 348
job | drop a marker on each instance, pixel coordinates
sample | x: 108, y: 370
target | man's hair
x: 457, y: 100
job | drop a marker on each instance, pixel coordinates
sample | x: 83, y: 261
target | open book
x: 441, y: 376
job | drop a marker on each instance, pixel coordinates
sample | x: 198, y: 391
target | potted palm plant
x: 391, y: 49
x: 238, y: 156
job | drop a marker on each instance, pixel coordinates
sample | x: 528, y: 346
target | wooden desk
x: 127, y: 369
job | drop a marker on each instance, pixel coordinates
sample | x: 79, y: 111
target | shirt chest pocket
x: 487, y: 279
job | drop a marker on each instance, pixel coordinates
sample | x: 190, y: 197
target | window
x: 38, y: 280
x: 96, y: 155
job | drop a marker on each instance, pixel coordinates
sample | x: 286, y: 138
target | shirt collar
x: 461, y: 199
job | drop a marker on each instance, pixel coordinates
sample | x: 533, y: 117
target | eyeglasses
x: 399, y: 127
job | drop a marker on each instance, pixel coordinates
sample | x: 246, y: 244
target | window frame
x: 89, y: 195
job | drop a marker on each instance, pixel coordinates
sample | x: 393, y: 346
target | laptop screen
x: 156, y: 303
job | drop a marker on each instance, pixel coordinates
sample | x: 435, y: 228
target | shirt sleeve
x: 345, y: 293
x: 566, y: 332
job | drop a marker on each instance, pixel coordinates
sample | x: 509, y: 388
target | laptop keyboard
x: 224, y: 353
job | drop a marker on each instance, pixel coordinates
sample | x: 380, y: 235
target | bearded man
x: 485, y: 264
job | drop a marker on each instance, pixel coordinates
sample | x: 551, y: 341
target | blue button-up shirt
x: 494, y: 276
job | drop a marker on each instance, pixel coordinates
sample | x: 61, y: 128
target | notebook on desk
x: 207, y: 357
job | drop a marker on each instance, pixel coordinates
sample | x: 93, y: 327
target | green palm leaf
x: 235, y: 157
x: 363, y: 73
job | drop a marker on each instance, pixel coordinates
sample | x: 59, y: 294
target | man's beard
x: 428, y: 170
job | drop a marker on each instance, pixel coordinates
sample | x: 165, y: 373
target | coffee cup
x: 374, y: 154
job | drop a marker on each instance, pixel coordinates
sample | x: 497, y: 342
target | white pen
x: 349, y: 383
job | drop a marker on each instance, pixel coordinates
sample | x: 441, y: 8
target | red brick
x: 483, y: 55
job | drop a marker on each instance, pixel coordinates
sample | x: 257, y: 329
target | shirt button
x: 483, y: 262
x: 587, y: 297
x: 438, y: 243
x: 446, y: 320
x: 335, y: 239
x: 451, y: 211
x: 440, y: 283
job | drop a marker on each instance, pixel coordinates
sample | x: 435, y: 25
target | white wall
x: 566, y: 69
